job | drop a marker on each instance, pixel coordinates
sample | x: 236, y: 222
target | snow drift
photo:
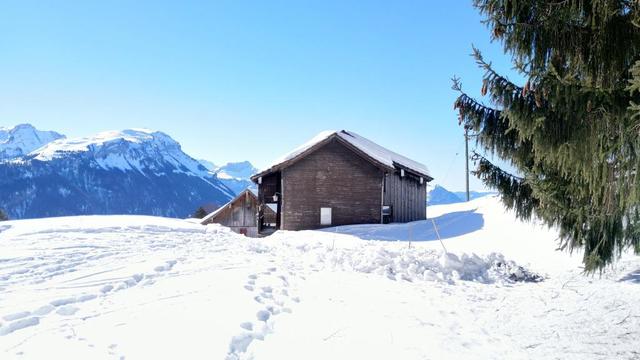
x: 105, y: 287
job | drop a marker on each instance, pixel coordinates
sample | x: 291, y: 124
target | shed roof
x: 218, y: 211
x: 374, y: 152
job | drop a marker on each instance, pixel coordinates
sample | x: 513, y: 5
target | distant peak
x: 236, y: 170
x: 24, y: 126
x: 22, y: 139
x: 140, y: 130
x: 238, y: 164
x: 109, y: 142
x: 208, y: 164
x: 141, y: 150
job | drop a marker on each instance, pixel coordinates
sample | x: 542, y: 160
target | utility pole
x: 466, y: 158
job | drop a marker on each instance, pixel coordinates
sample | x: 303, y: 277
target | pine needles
x: 571, y: 130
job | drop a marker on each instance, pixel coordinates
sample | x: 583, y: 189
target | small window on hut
x: 325, y: 216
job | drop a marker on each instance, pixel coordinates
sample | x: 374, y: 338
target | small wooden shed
x: 341, y: 178
x: 239, y: 214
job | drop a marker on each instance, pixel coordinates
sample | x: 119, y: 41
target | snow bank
x: 95, y: 224
x: 429, y: 265
x: 394, y: 261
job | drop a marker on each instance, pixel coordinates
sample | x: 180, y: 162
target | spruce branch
x: 476, y: 157
x: 572, y: 129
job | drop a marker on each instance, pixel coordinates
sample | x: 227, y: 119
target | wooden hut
x: 341, y: 178
x: 240, y: 214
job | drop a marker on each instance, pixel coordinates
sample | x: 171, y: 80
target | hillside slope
x: 104, y: 287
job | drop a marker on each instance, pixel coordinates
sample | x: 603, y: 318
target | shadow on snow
x: 449, y: 225
x: 633, y: 277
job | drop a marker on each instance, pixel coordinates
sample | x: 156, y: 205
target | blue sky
x: 247, y: 80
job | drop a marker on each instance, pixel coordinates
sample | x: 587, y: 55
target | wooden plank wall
x: 407, y: 197
x: 246, y: 207
x: 332, y: 176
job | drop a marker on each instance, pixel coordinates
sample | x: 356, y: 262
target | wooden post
x: 382, y: 198
x: 438, y: 235
x: 279, y: 185
x: 466, y: 157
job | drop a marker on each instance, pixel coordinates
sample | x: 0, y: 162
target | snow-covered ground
x: 140, y: 287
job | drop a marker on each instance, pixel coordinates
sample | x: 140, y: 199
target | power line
x: 451, y: 164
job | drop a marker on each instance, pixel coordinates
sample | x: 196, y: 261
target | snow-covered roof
x: 214, y: 213
x: 376, y: 152
x: 221, y: 208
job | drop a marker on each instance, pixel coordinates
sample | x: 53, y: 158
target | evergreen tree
x: 3, y: 216
x: 571, y: 130
x: 200, y: 213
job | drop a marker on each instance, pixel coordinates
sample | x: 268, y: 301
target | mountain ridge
x: 236, y: 175
x: 22, y: 139
x: 133, y: 171
x: 441, y: 196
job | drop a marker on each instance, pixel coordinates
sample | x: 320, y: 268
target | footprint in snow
x: 67, y: 310
x: 167, y: 266
x: 24, y: 319
x: 44, y: 310
x: 263, y: 315
x: 272, y: 290
x: 6, y: 329
x: 16, y: 316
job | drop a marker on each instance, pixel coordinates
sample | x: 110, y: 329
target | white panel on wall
x: 325, y: 216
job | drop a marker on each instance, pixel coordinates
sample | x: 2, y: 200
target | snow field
x: 142, y: 285
x: 113, y: 287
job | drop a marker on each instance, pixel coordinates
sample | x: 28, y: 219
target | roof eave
x: 294, y: 159
x: 413, y: 171
x: 278, y: 167
x: 220, y: 210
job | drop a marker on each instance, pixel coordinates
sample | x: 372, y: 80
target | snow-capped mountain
x: 135, y: 171
x: 440, y: 196
x: 236, y: 170
x: 235, y: 175
x: 208, y: 164
x: 23, y: 139
x: 473, y: 194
